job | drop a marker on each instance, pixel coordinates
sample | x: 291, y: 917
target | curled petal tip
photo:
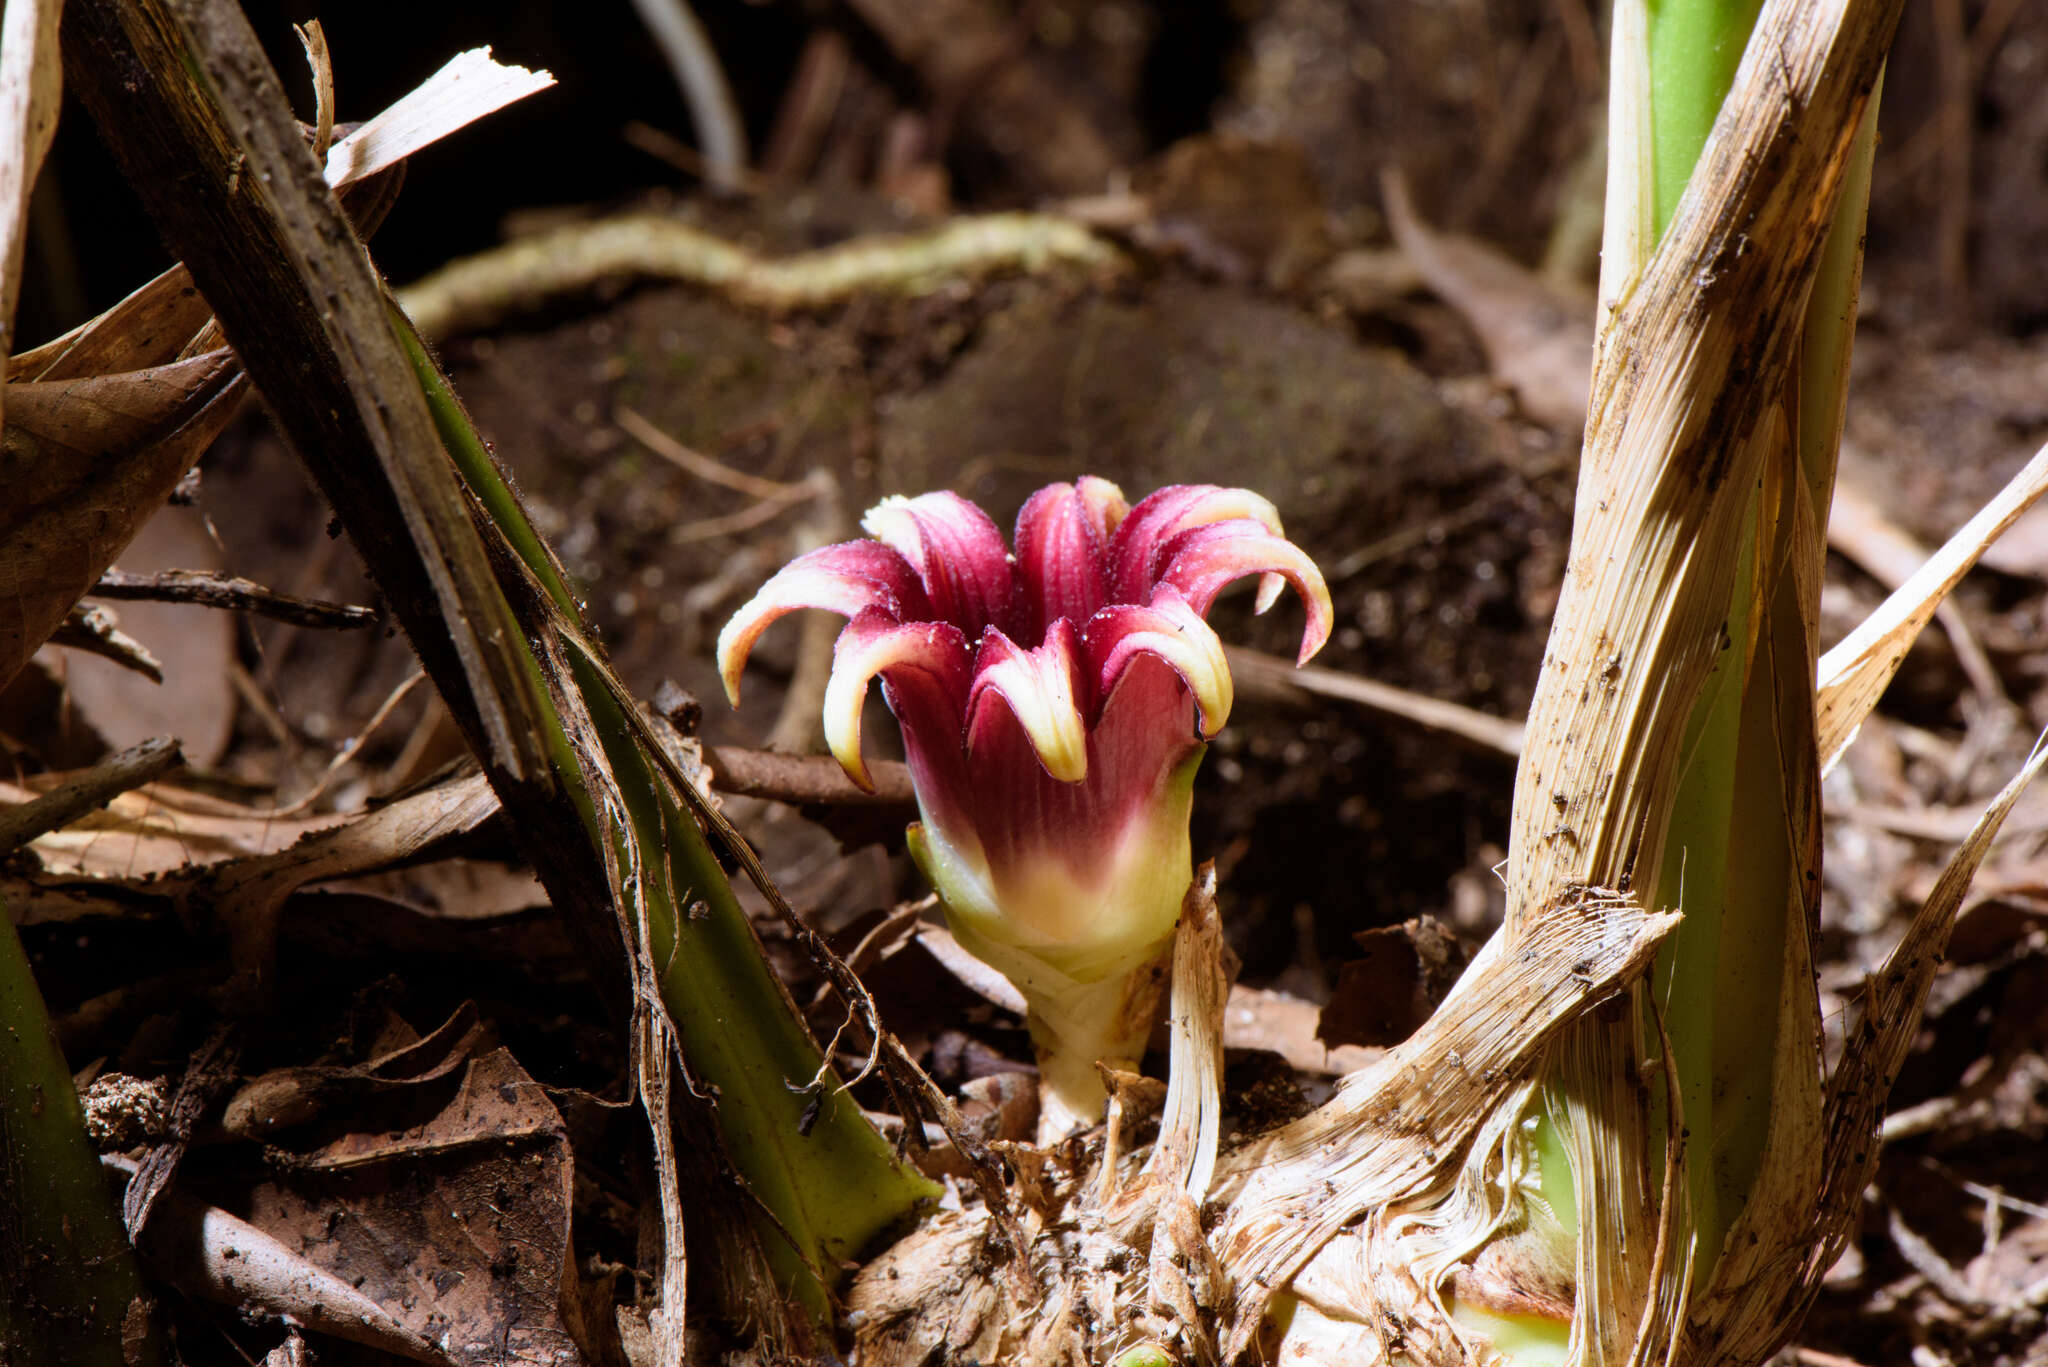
x: 736, y: 639
x: 1271, y: 586
x: 1315, y: 633
x: 1038, y: 688
x: 844, y: 700
x: 1175, y: 633
x: 923, y: 665
x: 1315, y: 602
x: 1145, y: 537
x: 850, y: 578
x: 1105, y: 502
x: 1200, y: 562
x: 734, y: 644
x: 893, y: 523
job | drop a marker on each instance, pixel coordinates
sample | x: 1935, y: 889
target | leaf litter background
x: 422, y: 1115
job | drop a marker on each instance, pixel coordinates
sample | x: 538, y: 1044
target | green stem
x: 70, y: 1292
x: 1733, y: 859
x: 1695, y: 47
x: 830, y: 1180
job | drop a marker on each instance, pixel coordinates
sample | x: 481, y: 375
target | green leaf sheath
x: 829, y: 1181
x: 70, y: 1291
x: 1695, y: 46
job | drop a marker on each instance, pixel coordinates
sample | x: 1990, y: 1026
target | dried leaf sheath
x: 1654, y: 542
x: 1690, y: 556
x: 1393, y: 1136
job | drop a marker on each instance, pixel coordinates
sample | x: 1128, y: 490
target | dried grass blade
x: 470, y: 86
x: 1854, y: 674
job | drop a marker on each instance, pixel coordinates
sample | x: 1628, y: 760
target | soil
x: 1439, y: 510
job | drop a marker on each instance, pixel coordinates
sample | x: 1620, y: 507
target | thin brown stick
x: 804, y: 779
x: 96, y: 631
x: 697, y: 463
x: 94, y: 788
x: 1270, y: 676
x: 348, y: 751
x: 231, y: 593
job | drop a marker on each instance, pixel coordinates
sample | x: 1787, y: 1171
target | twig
x: 687, y: 48
x: 313, y: 38
x: 804, y: 779
x: 808, y: 103
x: 667, y: 147
x: 746, y: 519
x: 231, y: 593
x: 95, y: 631
x: 701, y: 465
x: 348, y: 751
x: 1815, y: 1357
x: 1277, y: 678
x: 1923, y: 1258
x: 92, y: 789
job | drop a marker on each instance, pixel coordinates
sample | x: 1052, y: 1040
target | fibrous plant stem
x: 1671, y: 751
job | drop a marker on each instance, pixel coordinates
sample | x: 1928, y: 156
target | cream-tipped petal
x: 1176, y: 633
x: 849, y: 578
x: 893, y: 523
x: 925, y: 668
x: 1201, y: 562
x: 958, y: 553
x: 1105, y: 502
x: 1060, y: 543
x: 1038, y: 688
x: 1136, y: 554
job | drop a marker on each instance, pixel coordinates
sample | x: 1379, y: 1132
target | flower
x: 1054, y: 706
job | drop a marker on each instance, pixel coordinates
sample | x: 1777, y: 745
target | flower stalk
x: 1054, y: 706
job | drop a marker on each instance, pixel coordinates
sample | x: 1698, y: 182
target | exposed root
x: 475, y: 293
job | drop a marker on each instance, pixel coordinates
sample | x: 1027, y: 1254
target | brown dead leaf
x: 206, y: 1252
x: 458, y: 1227
x: 1383, y: 997
x: 1538, y: 337
x: 151, y: 327
x: 286, y: 1099
x: 86, y: 462
x: 1279, y: 1023
x: 225, y: 866
x: 155, y: 830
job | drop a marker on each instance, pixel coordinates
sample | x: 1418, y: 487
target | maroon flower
x: 1054, y: 707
